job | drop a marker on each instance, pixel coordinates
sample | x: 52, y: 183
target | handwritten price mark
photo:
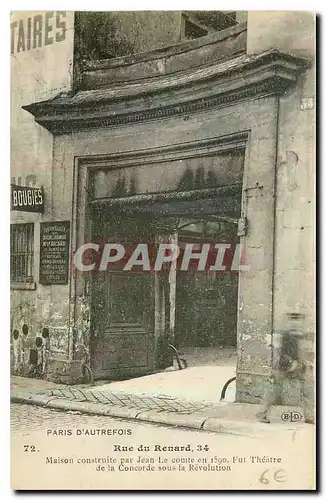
x: 278, y: 476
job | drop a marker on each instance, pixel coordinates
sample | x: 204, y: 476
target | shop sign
x: 54, y: 252
x: 27, y: 199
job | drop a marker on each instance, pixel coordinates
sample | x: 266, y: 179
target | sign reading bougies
x: 27, y: 199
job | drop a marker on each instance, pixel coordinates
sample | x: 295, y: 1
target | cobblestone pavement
x: 142, y: 402
x: 26, y: 419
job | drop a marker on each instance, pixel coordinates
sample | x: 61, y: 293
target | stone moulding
x: 217, y: 85
x: 166, y: 52
x: 216, y: 145
x: 195, y: 53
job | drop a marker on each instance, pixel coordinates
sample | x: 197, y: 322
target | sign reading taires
x: 38, y: 31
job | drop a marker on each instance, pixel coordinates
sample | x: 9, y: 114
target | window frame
x: 24, y: 230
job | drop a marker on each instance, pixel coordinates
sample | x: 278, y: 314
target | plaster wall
x: 36, y: 75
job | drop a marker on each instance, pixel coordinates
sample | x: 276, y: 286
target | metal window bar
x: 22, y: 252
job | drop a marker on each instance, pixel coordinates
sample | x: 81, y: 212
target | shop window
x: 22, y: 253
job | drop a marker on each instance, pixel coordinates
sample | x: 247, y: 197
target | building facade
x: 210, y: 139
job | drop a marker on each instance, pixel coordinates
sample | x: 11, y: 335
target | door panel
x: 126, y: 295
x: 125, y: 350
x: 123, y: 308
x: 123, y: 333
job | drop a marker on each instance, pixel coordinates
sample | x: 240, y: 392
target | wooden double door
x: 135, y: 314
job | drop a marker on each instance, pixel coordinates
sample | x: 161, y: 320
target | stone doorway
x: 194, y: 200
x: 136, y: 314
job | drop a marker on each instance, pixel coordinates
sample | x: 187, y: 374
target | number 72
x: 29, y: 447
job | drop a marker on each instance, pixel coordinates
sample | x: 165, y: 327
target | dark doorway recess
x: 136, y: 314
x: 206, y: 301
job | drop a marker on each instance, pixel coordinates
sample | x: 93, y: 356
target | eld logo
x: 291, y: 416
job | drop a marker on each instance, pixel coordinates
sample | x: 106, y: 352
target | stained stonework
x: 81, y: 329
x: 294, y: 282
x: 64, y: 371
x: 160, y: 112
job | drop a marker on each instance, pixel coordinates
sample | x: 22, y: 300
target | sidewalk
x: 185, y: 398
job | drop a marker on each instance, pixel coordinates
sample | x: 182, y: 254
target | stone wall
x: 36, y: 75
x: 294, y: 280
x: 258, y: 117
x: 174, y: 59
x: 149, y: 30
x: 104, y: 35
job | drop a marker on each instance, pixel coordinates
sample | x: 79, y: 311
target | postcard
x: 162, y: 250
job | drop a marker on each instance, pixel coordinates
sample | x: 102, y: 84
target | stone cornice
x: 166, y: 52
x: 206, y: 50
x: 216, y: 85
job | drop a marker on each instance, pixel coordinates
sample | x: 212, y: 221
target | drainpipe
x: 173, y: 286
x: 72, y: 279
x: 274, y: 225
